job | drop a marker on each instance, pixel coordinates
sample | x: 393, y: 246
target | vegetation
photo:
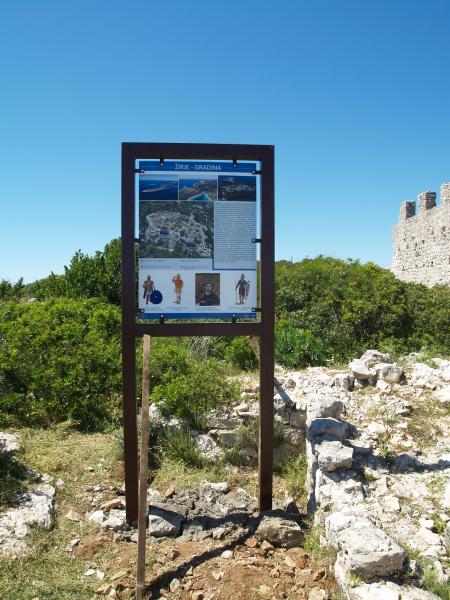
x: 60, y: 337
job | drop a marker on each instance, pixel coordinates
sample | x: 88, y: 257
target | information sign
x: 197, y: 230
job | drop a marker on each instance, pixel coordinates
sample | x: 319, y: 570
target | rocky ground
x: 376, y: 437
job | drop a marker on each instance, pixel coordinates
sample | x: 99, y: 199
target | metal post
x: 266, y: 365
x: 128, y: 337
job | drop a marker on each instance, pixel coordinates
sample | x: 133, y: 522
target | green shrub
x: 193, y: 393
x: 298, y: 348
x: 179, y: 445
x: 239, y: 353
x: 351, y: 306
x: 59, y: 361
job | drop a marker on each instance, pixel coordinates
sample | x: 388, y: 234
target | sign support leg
x: 143, y: 472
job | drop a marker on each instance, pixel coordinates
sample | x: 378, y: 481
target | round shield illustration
x: 156, y: 297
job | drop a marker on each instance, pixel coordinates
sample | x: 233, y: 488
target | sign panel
x: 197, y: 224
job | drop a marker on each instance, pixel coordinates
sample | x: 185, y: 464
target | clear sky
x: 355, y: 95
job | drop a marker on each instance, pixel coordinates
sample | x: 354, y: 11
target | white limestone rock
x: 162, y: 523
x: 32, y: 508
x: 344, y: 381
x: 443, y: 395
x: 370, y: 357
x: 389, y: 373
x: 360, y: 370
x: 333, y: 455
x: 208, y: 447
x: 9, y: 444
x: 97, y: 517
x: 281, y: 533
x: 331, y: 427
x: 369, y: 551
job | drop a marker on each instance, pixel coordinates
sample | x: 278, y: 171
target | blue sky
x: 355, y: 95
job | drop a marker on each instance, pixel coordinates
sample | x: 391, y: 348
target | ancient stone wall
x: 421, y: 242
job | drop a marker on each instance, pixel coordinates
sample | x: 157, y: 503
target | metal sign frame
x: 264, y: 328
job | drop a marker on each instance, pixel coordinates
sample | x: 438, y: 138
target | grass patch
x: 176, y: 473
x: 294, y: 475
x: 47, y: 571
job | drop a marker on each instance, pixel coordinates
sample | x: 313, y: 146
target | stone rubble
x: 371, y: 508
x: 33, y: 508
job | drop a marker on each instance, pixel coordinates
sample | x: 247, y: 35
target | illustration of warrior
x: 207, y: 295
x: 149, y: 287
x: 178, y: 287
x: 243, y: 289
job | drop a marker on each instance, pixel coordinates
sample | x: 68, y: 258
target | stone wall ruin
x: 421, y: 242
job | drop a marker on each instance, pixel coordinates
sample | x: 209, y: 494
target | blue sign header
x: 199, y: 167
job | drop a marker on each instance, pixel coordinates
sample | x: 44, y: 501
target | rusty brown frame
x: 264, y: 328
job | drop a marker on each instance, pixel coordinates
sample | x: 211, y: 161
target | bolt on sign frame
x: 263, y: 328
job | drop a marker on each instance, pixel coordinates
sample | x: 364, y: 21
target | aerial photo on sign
x: 176, y: 229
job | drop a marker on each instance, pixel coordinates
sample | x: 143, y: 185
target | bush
x: 60, y: 360
x: 239, y: 353
x: 193, y: 393
x: 298, y: 348
x: 351, y: 306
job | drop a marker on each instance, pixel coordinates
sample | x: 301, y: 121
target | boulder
x: 368, y: 551
x: 97, y: 517
x: 324, y: 405
x: 32, y: 508
x: 383, y: 386
x: 280, y: 532
x: 440, y: 363
x: 442, y: 395
x: 333, y: 455
x: 370, y: 357
x: 162, y: 523
x: 360, y: 370
x: 343, y: 381
x: 9, y: 444
x: 115, y: 520
x: 208, y: 447
x: 330, y: 427
x: 297, y: 418
x: 388, y: 591
x: 389, y: 373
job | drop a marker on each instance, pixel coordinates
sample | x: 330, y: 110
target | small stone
x: 110, y: 504
x: 427, y: 523
x: 72, y: 544
x: 217, y: 575
x: 90, y: 469
x: 290, y: 562
x: 227, y: 554
x: 169, y: 492
x: 89, y: 573
x: 60, y: 484
x: 97, y: 517
x: 266, y: 546
x: 175, y: 585
x: 72, y: 516
x: 173, y: 554
x: 317, y: 594
x: 251, y: 542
